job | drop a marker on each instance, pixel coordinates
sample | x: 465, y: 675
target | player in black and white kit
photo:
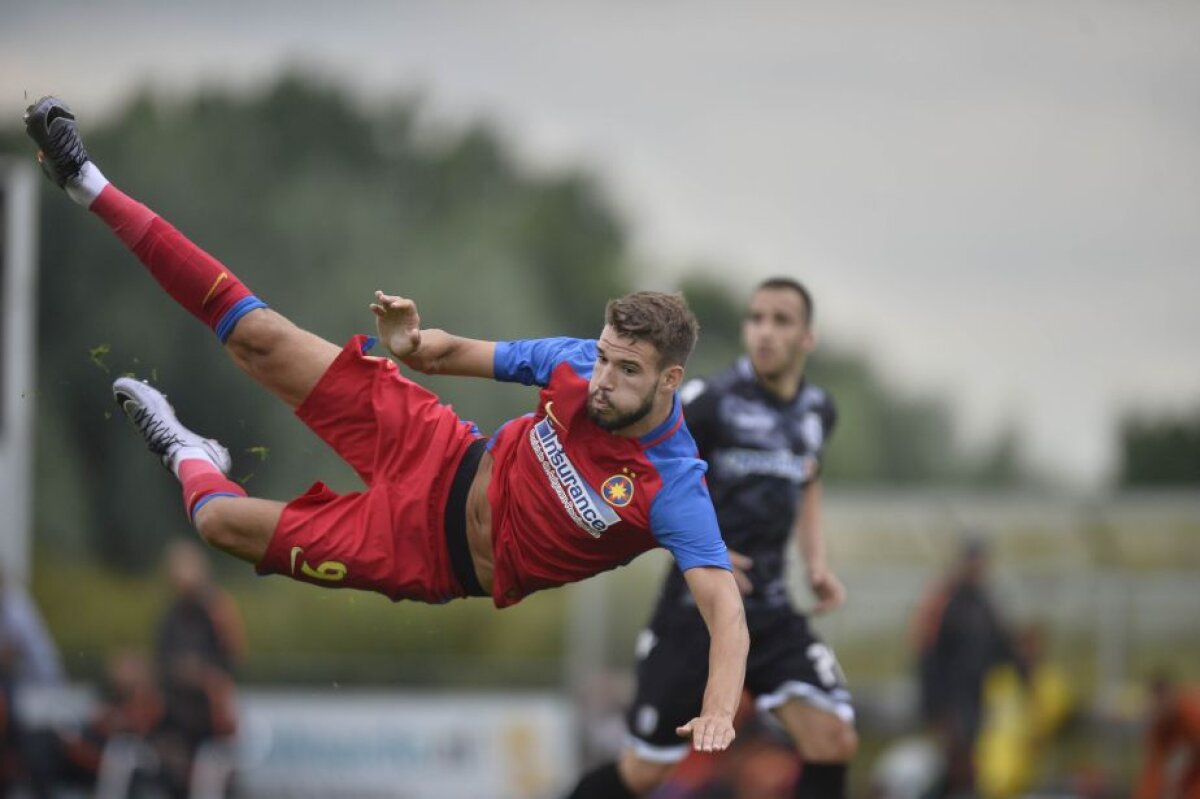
x: 762, y: 429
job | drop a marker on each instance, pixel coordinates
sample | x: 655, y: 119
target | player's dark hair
x: 664, y: 320
x: 792, y: 285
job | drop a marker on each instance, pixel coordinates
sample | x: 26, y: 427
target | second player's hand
x: 708, y: 733
x: 398, y: 323
x: 827, y: 588
x: 741, y: 565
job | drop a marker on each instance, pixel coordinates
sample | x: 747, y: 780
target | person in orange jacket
x: 1172, y: 766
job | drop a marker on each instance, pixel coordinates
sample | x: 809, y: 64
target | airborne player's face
x: 628, y: 390
x: 776, y: 333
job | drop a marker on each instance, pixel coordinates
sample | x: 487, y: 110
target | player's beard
x: 787, y: 359
x: 620, y: 421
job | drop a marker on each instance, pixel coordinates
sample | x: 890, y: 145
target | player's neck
x: 785, y: 385
x: 657, y: 415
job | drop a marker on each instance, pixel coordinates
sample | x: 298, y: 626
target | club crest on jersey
x: 617, y: 490
x: 579, y: 500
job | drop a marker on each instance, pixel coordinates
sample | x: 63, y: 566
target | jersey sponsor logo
x: 582, y: 504
x: 753, y: 420
x: 617, y: 490
x: 782, y: 463
x: 330, y: 571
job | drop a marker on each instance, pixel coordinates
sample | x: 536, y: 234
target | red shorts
x: 406, y: 446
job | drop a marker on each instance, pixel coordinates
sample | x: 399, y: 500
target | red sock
x: 202, y: 481
x: 193, y: 278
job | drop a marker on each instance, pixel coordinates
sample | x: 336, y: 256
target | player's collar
x: 669, y: 425
x: 746, y: 371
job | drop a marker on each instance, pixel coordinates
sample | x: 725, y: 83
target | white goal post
x: 18, y: 394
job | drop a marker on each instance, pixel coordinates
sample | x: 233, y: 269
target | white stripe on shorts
x: 657, y: 754
x: 836, y: 702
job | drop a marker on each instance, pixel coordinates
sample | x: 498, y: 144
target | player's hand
x: 741, y: 565
x: 429, y: 357
x: 827, y: 588
x: 709, y: 733
x: 398, y: 323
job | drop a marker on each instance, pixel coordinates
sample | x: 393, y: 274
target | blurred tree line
x: 315, y: 201
x: 1160, y: 450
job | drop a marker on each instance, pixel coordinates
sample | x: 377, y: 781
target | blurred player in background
x: 603, y: 470
x: 960, y: 637
x: 199, y: 642
x: 1172, y: 764
x: 762, y: 428
x: 28, y: 657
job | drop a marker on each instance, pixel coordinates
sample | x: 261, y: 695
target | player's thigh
x: 821, y: 736
x: 388, y: 539
x: 672, y: 670
x: 796, y: 675
x: 283, y: 358
x: 385, y: 426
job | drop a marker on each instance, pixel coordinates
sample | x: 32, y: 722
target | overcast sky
x: 998, y: 201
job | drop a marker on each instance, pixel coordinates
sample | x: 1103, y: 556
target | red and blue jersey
x: 570, y: 499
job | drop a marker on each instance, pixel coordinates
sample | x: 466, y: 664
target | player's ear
x: 810, y: 340
x: 672, y: 377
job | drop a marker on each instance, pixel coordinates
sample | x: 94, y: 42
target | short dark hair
x: 793, y: 285
x: 664, y: 320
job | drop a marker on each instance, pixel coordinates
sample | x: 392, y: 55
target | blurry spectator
x: 959, y: 637
x: 27, y: 656
x: 130, y: 705
x: 27, y: 652
x: 1172, y: 767
x: 199, y: 642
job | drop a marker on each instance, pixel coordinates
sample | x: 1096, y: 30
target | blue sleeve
x: 531, y: 361
x: 683, y: 520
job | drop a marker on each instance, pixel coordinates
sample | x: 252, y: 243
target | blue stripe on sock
x: 242, y: 307
x: 200, y: 503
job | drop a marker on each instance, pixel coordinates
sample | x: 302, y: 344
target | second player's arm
x: 720, y: 603
x: 809, y: 537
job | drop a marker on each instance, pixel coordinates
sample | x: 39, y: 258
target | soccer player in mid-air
x: 603, y: 470
x: 762, y: 428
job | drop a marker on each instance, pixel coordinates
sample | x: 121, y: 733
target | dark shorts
x: 406, y: 446
x: 786, y: 661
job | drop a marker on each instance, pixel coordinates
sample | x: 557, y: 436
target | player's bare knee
x: 215, y: 526
x: 846, y: 744
x: 833, y: 741
x: 642, y: 776
x: 257, y: 338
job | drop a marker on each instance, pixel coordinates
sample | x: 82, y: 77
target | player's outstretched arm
x: 429, y: 351
x: 720, y: 603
